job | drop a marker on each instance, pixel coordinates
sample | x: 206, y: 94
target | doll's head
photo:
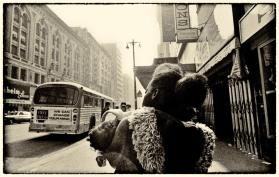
x: 101, y: 136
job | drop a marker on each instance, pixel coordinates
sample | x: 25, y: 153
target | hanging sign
x: 182, y: 17
x: 168, y: 24
x: 187, y: 35
x: 184, y: 32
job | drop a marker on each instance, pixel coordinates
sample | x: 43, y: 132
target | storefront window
x: 268, y: 80
x: 268, y: 55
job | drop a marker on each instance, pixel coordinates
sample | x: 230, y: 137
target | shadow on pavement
x: 40, y: 146
x: 236, y: 161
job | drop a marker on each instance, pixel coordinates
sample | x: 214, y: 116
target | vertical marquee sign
x: 184, y: 32
x: 182, y: 16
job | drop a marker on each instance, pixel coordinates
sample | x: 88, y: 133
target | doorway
x: 222, y: 109
x: 266, y: 99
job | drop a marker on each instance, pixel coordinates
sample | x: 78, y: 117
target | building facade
x: 258, y: 53
x: 100, y: 64
x: 39, y: 47
x: 128, y: 89
x: 235, y: 49
x: 241, y: 75
x: 116, y: 70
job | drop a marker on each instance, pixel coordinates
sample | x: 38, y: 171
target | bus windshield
x: 56, y: 95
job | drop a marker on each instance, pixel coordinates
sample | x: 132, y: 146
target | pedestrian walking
x: 123, y: 106
x: 128, y: 107
x: 107, y: 107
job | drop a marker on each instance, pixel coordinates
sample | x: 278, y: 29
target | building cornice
x: 60, y: 22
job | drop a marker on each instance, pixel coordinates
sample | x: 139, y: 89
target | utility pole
x: 135, y: 86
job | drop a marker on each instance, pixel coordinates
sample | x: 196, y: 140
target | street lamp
x: 135, y: 86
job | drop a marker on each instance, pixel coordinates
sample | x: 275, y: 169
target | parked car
x: 18, y: 116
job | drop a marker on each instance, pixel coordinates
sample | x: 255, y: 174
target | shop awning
x: 144, y: 73
x: 224, y: 52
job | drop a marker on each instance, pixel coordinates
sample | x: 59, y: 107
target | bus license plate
x: 42, y: 114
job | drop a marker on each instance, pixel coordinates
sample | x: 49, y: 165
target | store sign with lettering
x: 59, y: 114
x: 182, y: 17
x: 16, y: 91
x: 184, y: 32
x: 187, y: 35
x: 255, y: 19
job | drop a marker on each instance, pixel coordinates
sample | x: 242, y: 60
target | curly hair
x: 191, y: 90
x: 164, y: 78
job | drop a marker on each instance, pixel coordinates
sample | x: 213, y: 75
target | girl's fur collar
x: 148, y: 146
x: 147, y: 140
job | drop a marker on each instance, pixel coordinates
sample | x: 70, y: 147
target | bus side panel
x: 84, y: 118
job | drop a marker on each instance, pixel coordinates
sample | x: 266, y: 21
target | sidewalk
x: 228, y: 159
x: 80, y: 158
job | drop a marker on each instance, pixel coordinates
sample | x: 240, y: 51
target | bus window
x: 88, y: 101
x: 97, y: 102
x: 56, y: 96
x: 93, y: 102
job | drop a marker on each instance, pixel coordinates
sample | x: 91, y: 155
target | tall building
x: 39, y: 47
x: 100, y: 64
x: 116, y: 70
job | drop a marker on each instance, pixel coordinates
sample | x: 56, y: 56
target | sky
x: 119, y: 24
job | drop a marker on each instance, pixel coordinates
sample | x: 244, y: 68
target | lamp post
x: 135, y: 86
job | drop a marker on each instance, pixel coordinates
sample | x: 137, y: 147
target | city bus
x: 66, y: 108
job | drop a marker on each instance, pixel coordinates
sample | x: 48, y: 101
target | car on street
x: 17, y: 117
